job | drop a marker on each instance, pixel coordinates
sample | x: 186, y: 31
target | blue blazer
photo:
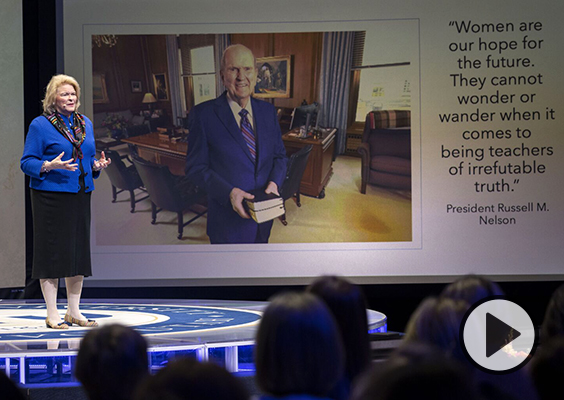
x: 218, y: 160
x: 44, y: 143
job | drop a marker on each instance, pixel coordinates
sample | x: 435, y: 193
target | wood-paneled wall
x: 133, y: 58
x: 305, y: 49
x: 138, y: 57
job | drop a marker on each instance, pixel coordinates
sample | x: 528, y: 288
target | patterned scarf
x: 78, y: 134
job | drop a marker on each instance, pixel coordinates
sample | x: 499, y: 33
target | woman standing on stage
x: 59, y: 157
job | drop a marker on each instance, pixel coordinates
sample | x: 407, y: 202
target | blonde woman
x: 59, y: 159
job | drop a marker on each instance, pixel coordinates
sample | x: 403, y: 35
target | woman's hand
x: 102, y: 163
x: 56, y: 163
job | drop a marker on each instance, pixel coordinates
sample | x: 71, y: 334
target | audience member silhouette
x: 348, y: 305
x: 547, y: 369
x: 111, y: 362
x: 553, y: 323
x: 472, y: 288
x: 8, y: 389
x: 416, y: 371
x: 437, y: 321
x: 189, y: 379
x: 298, y: 349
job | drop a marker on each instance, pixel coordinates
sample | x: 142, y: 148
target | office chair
x: 169, y: 192
x: 124, y: 178
x: 291, y: 187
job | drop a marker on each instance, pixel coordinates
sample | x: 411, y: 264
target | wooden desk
x: 151, y: 148
x: 320, y: 163
x: 316, y: 175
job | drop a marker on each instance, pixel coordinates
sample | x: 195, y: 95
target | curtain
x: 178, y: 111
x: 221, y: 43
x: 336, y: 63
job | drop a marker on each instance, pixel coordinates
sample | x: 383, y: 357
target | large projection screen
x: 485, y: 97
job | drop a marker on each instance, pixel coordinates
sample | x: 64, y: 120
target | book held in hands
x: 265, y: 207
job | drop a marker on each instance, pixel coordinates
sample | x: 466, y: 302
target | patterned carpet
x: 344, y: 215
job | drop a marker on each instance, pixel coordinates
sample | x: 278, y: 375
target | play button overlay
x: 498, y: 336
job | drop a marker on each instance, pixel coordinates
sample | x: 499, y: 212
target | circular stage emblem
x: 26, y: 322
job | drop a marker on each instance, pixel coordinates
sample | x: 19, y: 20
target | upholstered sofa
x: 386, y: 150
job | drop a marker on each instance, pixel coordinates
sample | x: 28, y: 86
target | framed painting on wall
x: 136, y: 87
x: 99, y: 90
x: 161, y: 87
x: 274, y: 77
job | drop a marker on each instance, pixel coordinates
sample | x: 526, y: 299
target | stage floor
x: 216, y: 330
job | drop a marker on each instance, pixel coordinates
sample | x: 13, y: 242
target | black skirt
x: 61, y: 234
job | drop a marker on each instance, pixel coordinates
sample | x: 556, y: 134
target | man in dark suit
x: 235, y: 147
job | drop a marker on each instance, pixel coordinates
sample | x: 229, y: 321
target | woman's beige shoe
x: 80, y: 322
x: 60, y: 325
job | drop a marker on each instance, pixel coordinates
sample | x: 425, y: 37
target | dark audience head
x: 189, y: 379
x: 348, y: 305
x: 437, y: 322
x: 8, y: 389
x: 298, y: 347
x: 416, y: 371
x: 111, y: 362
x: 547, y: 369
x: 553, y: 323
x: 471, y: 288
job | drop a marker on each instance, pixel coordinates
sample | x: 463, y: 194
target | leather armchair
x: 386, y: 150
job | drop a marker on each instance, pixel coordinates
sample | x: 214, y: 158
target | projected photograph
x: 342, y: 106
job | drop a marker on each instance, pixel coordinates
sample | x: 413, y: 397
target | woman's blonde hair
x: 51, y: 91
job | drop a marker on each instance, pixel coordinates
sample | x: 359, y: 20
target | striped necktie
x: 248, y: 134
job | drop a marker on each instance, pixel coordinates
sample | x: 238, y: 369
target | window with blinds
x: 375, y: 86
x: 198, y: 69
